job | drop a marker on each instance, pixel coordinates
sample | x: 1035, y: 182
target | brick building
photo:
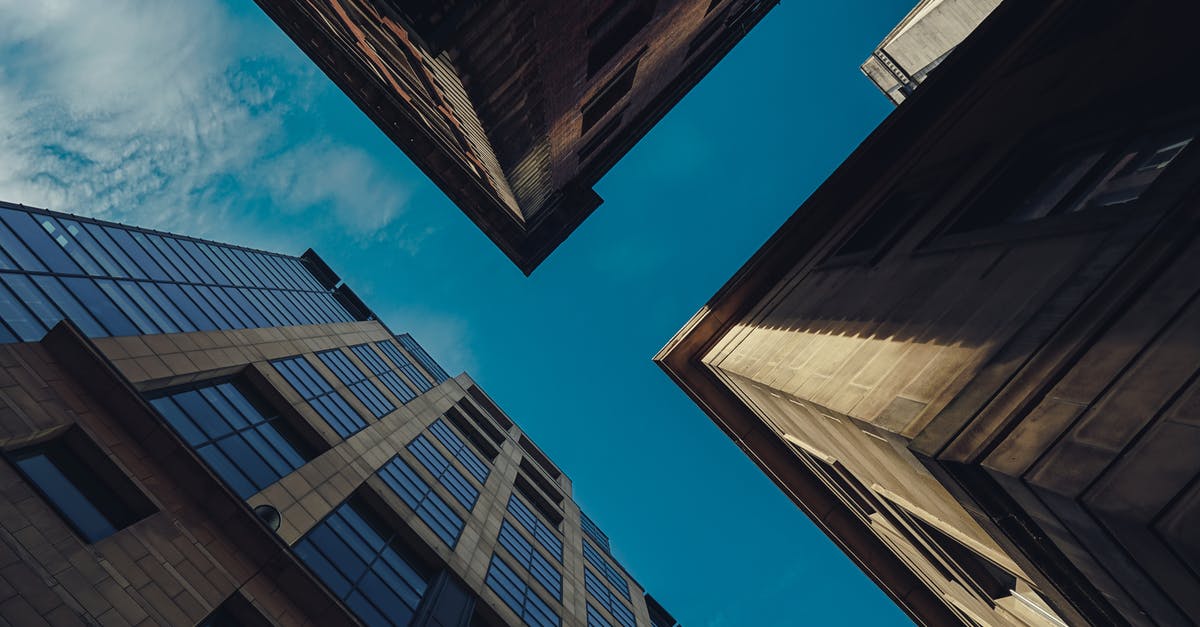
x: 516, y: 108
x: 195, y: 433
x: 971, y: 356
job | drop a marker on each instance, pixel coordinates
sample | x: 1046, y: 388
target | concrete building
x: 971, y: 356
x: 516, y: 108
x: 921, y: 41
x: 195, y: 433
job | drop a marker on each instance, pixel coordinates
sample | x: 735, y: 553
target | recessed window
x: 326, y: 401
x: 418, y: 495
x: 609, y: 95
x: 366, y: 564
x: 518, y: 595
x: 601, y: 136
x: 621, y: 29
x: 610, y: 572
x: 356, y: 381
x: 386, y: 375
x: 243, y: 440
x: 85, y: 488
x: 1041, y: 184
x: 604, y: 597
x: 405, y: 365
x: 535, y: 526
x: 460, y: 450
x: 592, y: 530
x: 445, y: 472
x: 531, y: 559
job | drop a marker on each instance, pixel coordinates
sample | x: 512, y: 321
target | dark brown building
x: 515, y: 108
x: 972, y: 355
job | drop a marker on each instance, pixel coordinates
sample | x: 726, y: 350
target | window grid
x: 417, y: 494
x: 595, y: 618
x: 535, y: 526
x: 445, y: 472
x: 385, y: 374
x: 460, y: 450
x: 364, y: 563
x: 247, y: 448
x: 613, y: 576
x: 518, y: 595
x: 113, y: 280
x: 593, y: 531
x: 418, y: 351
x: 531, y: 559
x: 405, y: 366
x: 596, y: 588
x: 311, y: 386
x: 356, y: 382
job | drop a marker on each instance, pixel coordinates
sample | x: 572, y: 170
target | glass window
x: 70, y: 306
x: 356, y: 382
x: 67, y: 242
x: 593, y: 531
x: 33, y: 298
x: 595, y: 618
x: 365, y: 563
x: 461, y: 451
x: 418, y: 495
x: 523, y: 551
x: 25, y: 226
x: 123, y: 240
x: 103, y: 309
x: 330, y: 405
x: 518, y: 595
x: 417, y: 351
x: 593, y: 557
x: 446, y: 473
x: 535, y: 526
x: 17, y: 251
x: 111, y: 267
x: 95, y: 508
x: 230, y: 427
x: 598, y: 591
x: 390, y: 379
x: 127, y: 306
x: 416, y: 376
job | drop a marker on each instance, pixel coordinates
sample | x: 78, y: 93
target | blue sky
x: 201, y: 117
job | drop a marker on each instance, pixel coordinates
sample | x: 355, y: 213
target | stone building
x: 972, y: 355
x: 922, y: 40
x: 196, y: 433
x: 516, y: 108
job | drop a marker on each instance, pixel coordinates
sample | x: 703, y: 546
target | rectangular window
x: 460, y: 450
x: 418, y: 495
x: 366, y: 564
x: 593, y: 531
x: 231, y: 428
x: 405, y: 366
x: 356, y: 382
x: 416, y: 350
x: 601, y: 136
x: 595, y: 618
x: 616, y: 36
x: 519, y: 596
x: 610, y: 94
x: 536, y: 527
x: 618, y: 581
x: 445, y: 472
x: 385, y: 374
x: 598, y: 591
x: 311, y: 386
x: 531, y: 559
x: 1041, y: 182
x: 85, y: 488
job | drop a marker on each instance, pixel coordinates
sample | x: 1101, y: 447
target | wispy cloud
x: 170, y: 113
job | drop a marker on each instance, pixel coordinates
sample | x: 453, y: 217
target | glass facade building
x: 232, y: 432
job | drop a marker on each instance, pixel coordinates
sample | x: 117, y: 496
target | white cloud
x: 171, y: 114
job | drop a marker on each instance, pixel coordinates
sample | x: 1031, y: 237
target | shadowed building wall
x: 163, y: 398
x: 977, y: 340
x: 516, y: 108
